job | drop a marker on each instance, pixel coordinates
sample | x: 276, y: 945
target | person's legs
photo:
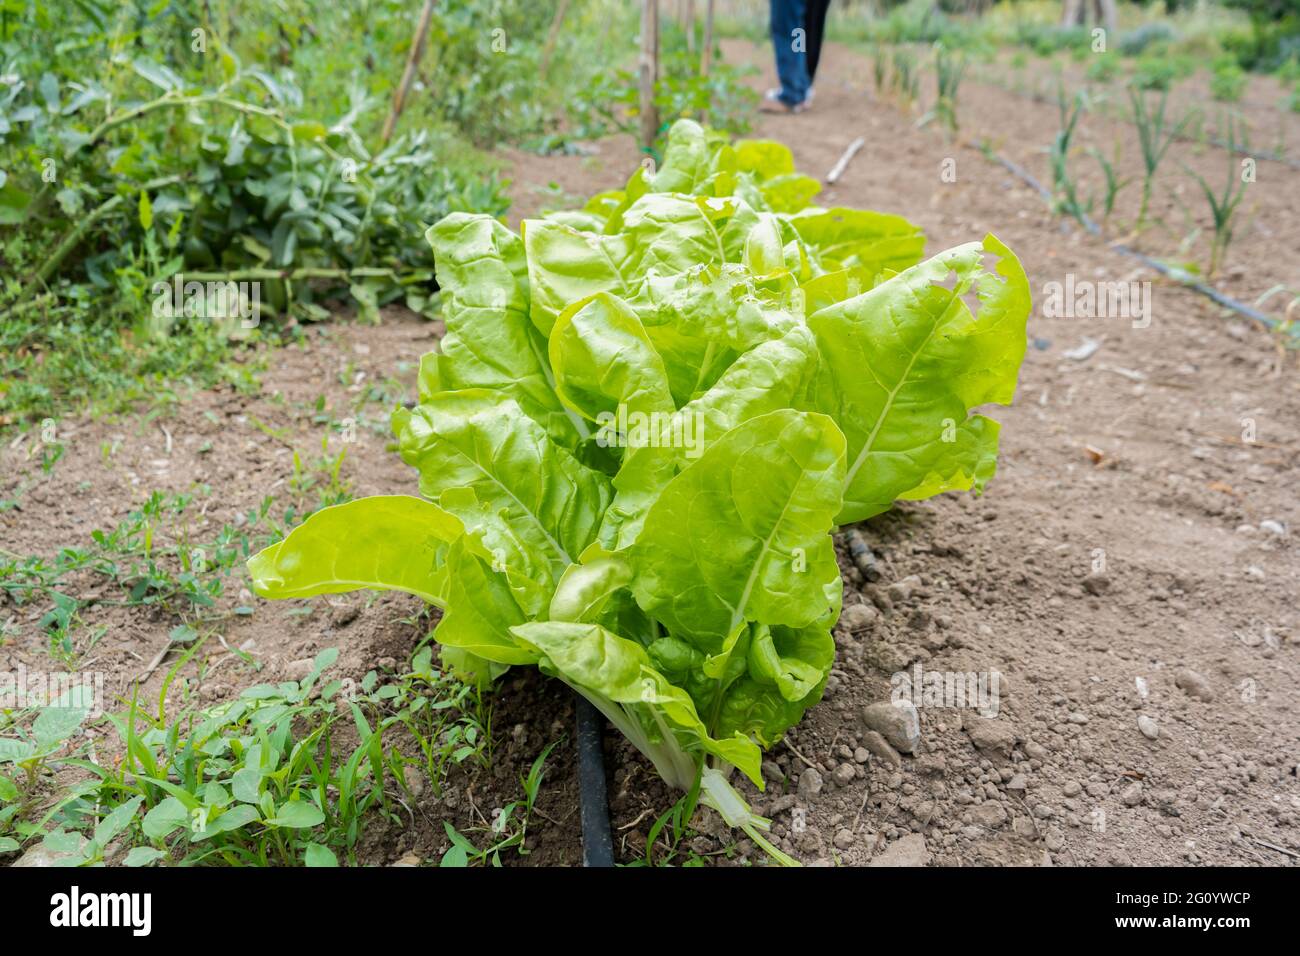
x: 789, y: 46
x: 815, y: 26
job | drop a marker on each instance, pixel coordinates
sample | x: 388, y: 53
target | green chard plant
x: 644, y: 421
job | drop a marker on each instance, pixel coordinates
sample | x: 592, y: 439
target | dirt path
x: 1169, y: 504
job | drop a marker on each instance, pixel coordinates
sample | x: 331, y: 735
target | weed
x: 1102, y: 69
x: 949, y: 69
x: 508, y: 828
x: 183, y: 577
x: 286, y: 774
x: 1228, y: 80
x: 906, y: 78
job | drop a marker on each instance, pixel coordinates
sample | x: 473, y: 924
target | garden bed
x: 1127, y: 541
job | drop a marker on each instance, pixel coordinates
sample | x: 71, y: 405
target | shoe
x: 772, y: 104
x: 809, y: 98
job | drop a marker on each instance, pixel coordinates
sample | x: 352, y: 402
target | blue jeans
x: 790, y: 47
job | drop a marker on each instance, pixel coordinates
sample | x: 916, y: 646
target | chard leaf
x: 672, y: 233
x: 585, y: 589
x: 663, y: 233
x: 785, y: 673
x: 687, y: 161
x: 535, y: 505
x: 767, y: 378
x: 764, y: 250
x: 771, y: 376
x: 480, y: 611
x: 470, y: 668
x: 490, y: 342
x: 700, y: 321
x: 790, y: 193
x: 741, y: 535
x: 764, y: 158
x: 613, y: 669
x: 875, y: 241
x: 384, y: 543
x: 566, y: 265
x: 603, y: 359
x: 790, y: 673
x: 904, y: 363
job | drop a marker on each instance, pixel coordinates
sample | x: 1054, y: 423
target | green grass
x: 508, y: 829
x: 78, y: 351
x: 286, y: 774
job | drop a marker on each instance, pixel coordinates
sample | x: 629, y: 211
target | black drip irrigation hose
x: 597, y: 840
x: 1178, y: 275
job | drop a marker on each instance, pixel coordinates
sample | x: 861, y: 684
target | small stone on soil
x: 879, y: 747
x: 896, y: 721
x: 1096, y: 583
x: 810, y: 784
x: 989, y: 815
x: 299, y: 670
x: 858, y: 616
x: 1150, y: 729
x: 907, y: 851
x: 1194, y: 685
x: 990, y: 734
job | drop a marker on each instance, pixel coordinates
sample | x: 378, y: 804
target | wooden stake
x: 552, y: 35
x: 838, y: 169
x: 706, y: 59
x: 648, y: 70
x: 408, y: 74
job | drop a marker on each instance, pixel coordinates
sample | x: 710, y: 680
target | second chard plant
x: 644, y: 422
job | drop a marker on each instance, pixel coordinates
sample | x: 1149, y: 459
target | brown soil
x: 1132, y: 456
x: 1020, y: 124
